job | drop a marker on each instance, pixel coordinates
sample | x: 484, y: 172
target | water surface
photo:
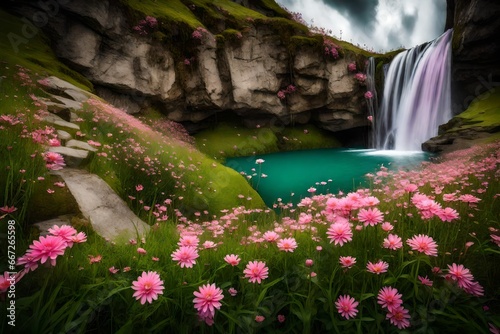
x: 291, y: 174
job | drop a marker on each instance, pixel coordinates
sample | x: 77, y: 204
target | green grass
x: 230, y: 139
x: 484, y: 112
x: 33, y: 53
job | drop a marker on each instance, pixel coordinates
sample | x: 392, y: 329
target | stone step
x: 108, y: 214
x: 59, y: 122
x: 78, y: 144
x: 72, y: 157
x: 44, y: 226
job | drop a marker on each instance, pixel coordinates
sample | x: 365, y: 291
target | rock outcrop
x: 475, y: 66
x: 242, y: 76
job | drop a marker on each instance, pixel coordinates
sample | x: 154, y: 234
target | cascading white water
x: 416, y: 96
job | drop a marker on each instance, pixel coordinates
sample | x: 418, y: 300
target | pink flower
x: 189, y: 240
x: 147, y: 287
x: 7, y: 209
x: 4, y: 282
x: 209, y: 244
x: 387, y: 227
x: 447, y: 214
x: 141, y: 251
x: 79, y: 238
x: 186, y: 255
x: 461, y: 275
x: 309, y: 263
x: 399, y: 317
x: 392, y: 242
x: 139, y: 187
x: 271, y: 236
x: 54, y: 142
x: 54, y: 161
x: 281, y: 318
x: 347, y: 261
x: 207, y: 299
x: 113, y: 270
x: 232, y: 291
x: 377, y: 268
x: 95, y: 259
x: 339, y: 233
x: 259, y: 161
x: 469, y: 199
x: 368, y: 95
x: 346, y: 305
x: 232, y: 259
x: 48, y: 247
x: 389, y: 298
x: 287, y: 245
x: 371, y: 216
x: 256, y: 271
x: 260, y: 318
x: 30, y: 263
x: 351, y: 67
x: 425, y: 280
x: 66, y: 232
x: 423, y: 244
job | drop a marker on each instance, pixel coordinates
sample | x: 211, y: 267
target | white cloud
x: 395, y: 23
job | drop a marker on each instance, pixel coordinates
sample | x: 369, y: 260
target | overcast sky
x: 381, y: 25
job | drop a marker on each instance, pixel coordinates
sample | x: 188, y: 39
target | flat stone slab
x: 58, y: 84
x: 58, y: 121
x: 72, y: 157
x: 44, y: 226
x: 68, y: 103
x: 78, y: 144
x: 63, y: 135
x: 109, y: 215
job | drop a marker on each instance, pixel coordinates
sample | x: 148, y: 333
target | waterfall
x: 416, y: 96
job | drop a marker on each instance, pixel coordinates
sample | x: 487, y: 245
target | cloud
x: 381, y: 25
x: 361, y: 12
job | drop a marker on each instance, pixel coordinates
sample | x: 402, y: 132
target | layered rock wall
x: 135, y: 71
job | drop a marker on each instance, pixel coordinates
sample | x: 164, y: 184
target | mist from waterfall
x: 416, y: 97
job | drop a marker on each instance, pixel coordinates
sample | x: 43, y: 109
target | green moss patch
x: 33, y: 51
x: 483, y: 112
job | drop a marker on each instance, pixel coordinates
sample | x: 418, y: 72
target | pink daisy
x: 30, y: 263
x: 287, y: 245
x: 207, y: 299
x: 4, y: 282
x: 186, y: 255
x: 271, y: 236
x: 48, y: 247
x: 425, y: 280
x: 377, y: 268
x: 346, y: 305
x: 79, y: 238
x: 232, y: 259
x: 147, y: 287
x: 447, y: 214
x: 339, y: 233
x: 460, y: 274
x: 387, y: 227
x: 347, y: 261
x: 399, y: 317
x: 371, y: 217
x: 423, y: 244
x: 256, y: 271
x: 189, y: 240
x: 54, y: 161
x: 389, y: 298
x: 392, y: 242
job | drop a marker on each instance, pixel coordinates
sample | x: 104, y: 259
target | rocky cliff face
x: 475, y: 66
x: 243, y: 76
